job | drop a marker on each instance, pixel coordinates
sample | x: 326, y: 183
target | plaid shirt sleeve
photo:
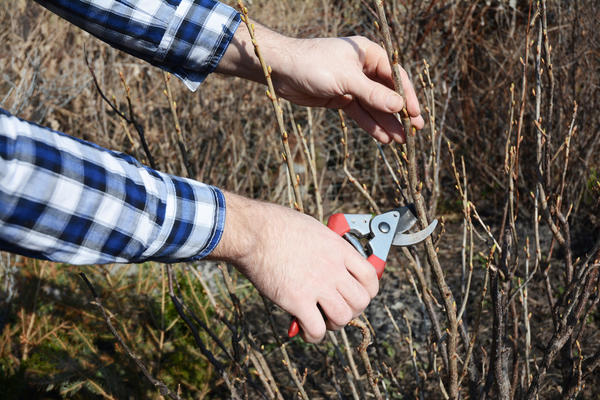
x: 67, y: 200
x: 185, y: 37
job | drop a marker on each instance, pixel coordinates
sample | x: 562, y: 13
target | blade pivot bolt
x: 384, y: 227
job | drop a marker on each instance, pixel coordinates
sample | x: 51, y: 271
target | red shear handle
x: 378, y: 263
x: 339, y: 224
x: 294, y: 328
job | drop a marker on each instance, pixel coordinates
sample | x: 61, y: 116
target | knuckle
x: 361, y: 39
x: 316, y: 335
x: 374, y: 288
x: 344, y: 317
x: 370, y: 281
x: 374, y: 95
x: 362, y: 302
x: 366, y: 299
x: 333, y: 327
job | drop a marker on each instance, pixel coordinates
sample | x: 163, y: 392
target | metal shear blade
x: 407, y: 219
x: 407, y: 239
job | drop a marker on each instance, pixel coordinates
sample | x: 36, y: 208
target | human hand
x: 298, y: 263
x: 351, y: 73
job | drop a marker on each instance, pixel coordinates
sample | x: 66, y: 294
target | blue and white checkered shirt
x: 184, y: 37
x: 67, y: 200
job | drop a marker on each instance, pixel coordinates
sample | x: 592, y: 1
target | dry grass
x: 529, y: 303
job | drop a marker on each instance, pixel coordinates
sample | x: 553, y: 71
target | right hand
x: 298, y: 263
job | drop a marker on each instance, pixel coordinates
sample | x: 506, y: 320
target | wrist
x: 240, y: 59
x: 240, y: 237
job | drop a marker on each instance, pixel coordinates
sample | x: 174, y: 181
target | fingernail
x: 395, y: 103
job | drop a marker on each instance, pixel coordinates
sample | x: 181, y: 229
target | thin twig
x: 362, y: 350
x: 158, y: 384
x: 271, y: 94
x: 415, y: 190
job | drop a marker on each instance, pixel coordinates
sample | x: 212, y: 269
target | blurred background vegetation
x: 508, y: 87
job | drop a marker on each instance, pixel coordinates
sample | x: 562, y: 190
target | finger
x: 412, y: 103
x: 312, y: 324
x: 336, y: 310
x: 374, y: 95
x: 417, y: 122
x: 377, y: 67
x: 355, y: 295
x: 366, y: 122
x: 364, y: 274
x: 388, y: 122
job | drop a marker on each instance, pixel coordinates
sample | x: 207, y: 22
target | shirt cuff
x: 196, y: 38
x: 193, y: 221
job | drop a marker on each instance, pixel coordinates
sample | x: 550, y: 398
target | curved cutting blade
x: 407, y: 218
x: 408, y: 239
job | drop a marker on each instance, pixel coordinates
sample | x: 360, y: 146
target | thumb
x: 375, y: 95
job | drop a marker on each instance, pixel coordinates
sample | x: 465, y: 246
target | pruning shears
x: 380, y: 231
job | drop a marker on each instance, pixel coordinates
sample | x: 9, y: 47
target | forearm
x: 240, y: 59
x: 67, y: 200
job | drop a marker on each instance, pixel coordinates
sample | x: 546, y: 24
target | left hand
x: 353, y: 74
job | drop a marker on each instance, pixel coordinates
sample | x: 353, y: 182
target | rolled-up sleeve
x: 67, y: 200
x: 185, y: 37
